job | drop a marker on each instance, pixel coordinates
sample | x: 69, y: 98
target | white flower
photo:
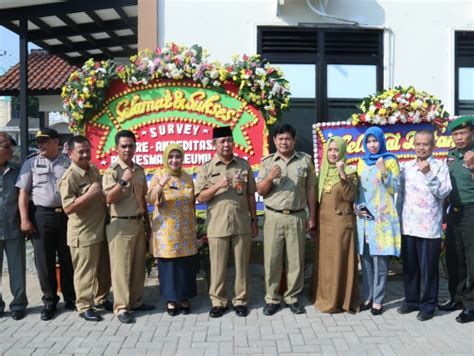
x: 416, y: 118
x: 392, y: 119
x: 170, y: 67
x: 216, y: 83
x: 260, y: 71
x: 205, y: 81
x: 403, y: 118
x: 214, y: 74
x: 176, y: 73
x: 277, y: 88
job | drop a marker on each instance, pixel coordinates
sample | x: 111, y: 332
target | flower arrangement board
x: 401, y: 105
x: 399, y: 140
x: 400, y: 112
x: 175, y: 95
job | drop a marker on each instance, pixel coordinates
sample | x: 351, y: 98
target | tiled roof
x: 46, y: 75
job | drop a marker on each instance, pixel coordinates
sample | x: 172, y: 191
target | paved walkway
x: 196, y: 334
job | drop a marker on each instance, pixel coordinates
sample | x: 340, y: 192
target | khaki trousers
x: 85, y: 260
x: 104, y: 280
x: 127, y: 262
x: 218, y: 253
x: 284, y: 233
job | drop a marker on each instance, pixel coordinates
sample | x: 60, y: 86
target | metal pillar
x: 24, y: 136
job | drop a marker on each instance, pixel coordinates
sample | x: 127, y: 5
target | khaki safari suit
x: 126, y: 237
x: 285, y: 228
x: 228, y: 220
x: 86, y: 237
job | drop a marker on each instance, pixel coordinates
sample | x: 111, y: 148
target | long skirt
x: 335, y: 277
x: 177, y: 278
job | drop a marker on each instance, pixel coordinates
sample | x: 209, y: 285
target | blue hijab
x: 371, y: 158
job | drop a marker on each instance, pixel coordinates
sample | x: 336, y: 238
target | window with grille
x: 330, y: 70
x: 464, y: 72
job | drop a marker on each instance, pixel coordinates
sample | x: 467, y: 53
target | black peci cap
x: 224, y: 131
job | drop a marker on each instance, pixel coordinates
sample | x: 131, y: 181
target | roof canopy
x: 46, y: 75
x: 76, y: 30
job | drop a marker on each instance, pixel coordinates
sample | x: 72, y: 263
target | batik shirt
x: 420, y: 198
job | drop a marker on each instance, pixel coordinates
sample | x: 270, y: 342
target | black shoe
x: 270, y: 308
x: 424, y: 316
x: 144, y: 307
x: 48, y: 312
x: 126, y: 318
x: 241, y: 310
x: 217, y: 312
x: 172, y: 311
x: 296, y: 308
x: 70, y: 305
x: 405, y: 309
x: 376, y: 311
x: 18, y: 314
x: 450, y: 305
x: 185, y: 307
x: 466, y: 316
x: 107, y: 305
x: 91, y: 315
x: 364, y: 307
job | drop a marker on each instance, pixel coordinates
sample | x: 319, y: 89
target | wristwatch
x: 122, y: 183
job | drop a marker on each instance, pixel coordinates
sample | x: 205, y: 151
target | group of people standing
x: 399, y: 210
x: 98, y: 227
x: 95, y: 227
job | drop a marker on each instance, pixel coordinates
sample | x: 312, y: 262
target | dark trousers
x: 421, y: 271
x: 50, y: 239
x: 460, y: 255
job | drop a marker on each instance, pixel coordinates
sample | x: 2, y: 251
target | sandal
x: 171, y: 309
x: 185, y: 306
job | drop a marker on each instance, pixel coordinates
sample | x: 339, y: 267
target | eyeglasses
x: 127, y: 146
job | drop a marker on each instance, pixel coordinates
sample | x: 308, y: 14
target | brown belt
x: 284, y: 211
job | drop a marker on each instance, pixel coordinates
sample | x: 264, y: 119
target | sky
x: 9, y: 49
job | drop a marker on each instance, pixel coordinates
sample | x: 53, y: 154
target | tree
x: 33, y: 106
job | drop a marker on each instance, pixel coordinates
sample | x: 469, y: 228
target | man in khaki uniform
x: 227, y: 185
x: 84, y: 203
x: 125, y: 187
x: 286, y: 180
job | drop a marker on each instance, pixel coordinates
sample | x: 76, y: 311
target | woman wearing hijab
x: 335, y: 276
x: 378, y: 226
x: 174, y: 230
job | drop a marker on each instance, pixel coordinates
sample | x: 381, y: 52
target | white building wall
x: 423, y: 31
x: 5, y: 110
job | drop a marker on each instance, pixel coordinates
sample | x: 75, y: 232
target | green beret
x: 461, y: 122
